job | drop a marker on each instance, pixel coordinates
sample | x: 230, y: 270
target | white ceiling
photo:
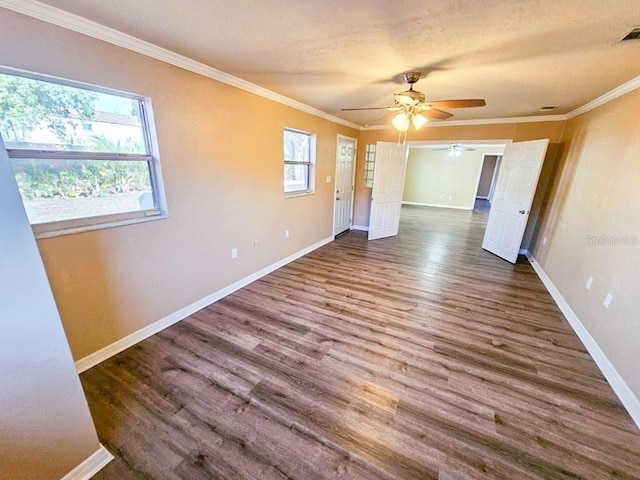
x: 519, y: 55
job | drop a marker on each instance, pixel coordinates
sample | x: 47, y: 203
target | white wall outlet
x: 256, y: 243
x: 328, y: 179
x: 286, y: 234
x: 607, y: 300
x: 544, y: 242
x: 589, y: 283
x: 234, y: 253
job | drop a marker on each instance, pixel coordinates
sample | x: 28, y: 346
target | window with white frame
x: 299, y: 156
x: 82, y: 155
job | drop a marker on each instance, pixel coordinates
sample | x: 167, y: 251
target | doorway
x: 488, y: 175
x: 449, y: 175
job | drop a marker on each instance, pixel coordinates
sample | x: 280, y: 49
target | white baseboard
x: 437, y: 205
x: 360, y: 227
x: 130, y: 340
x: 92, y: 465
x: 620, y: 387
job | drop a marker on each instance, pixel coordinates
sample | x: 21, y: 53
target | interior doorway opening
x: 451, y: 175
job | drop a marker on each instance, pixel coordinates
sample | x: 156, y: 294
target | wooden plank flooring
x: 416, y: 357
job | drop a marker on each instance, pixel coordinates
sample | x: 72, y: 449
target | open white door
x: 517, y: 182
x: 388, y: 183
x: 345, y: 169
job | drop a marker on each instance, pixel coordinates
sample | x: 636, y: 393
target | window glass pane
x: 297, y: 146
x: 41, y: 115
x: 55, y: 190
x: 296, y: 178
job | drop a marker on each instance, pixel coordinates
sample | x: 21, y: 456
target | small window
x: 299, y: 153
x: 81, y: 155
x: 369, y: 165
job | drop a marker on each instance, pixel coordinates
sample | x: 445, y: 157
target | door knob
x: 522, y: 212
x: 337, y: 198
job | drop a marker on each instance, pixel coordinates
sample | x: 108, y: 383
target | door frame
x: 353, y: 181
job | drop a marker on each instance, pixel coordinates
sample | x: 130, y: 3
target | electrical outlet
x: 286, y: 234
x: 544, y: 242
x: 607, y: 300
x: 328, y: 179
x: 256, y: 243
x: 234, y: 253
x: 589, y: 283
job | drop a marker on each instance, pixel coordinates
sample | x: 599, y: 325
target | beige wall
x: 596, y: 193
x: 502, y: 131
x: 45, y: 426
x: 435, y: 178
x: 221, y: 155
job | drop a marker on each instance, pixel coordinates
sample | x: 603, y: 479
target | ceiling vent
x: 549, y: 108
x: 634, y: 34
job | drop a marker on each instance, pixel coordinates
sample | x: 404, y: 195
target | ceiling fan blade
x: 477, y: 102
x: 437, y: 114
x: 370, y: 108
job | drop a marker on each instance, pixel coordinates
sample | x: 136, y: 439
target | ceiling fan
x: 455, y: 149
x: 413, y: 108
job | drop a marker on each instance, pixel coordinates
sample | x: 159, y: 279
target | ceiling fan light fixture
x: 401, y: 122
x: 455, y: 150
x: 419, y: 121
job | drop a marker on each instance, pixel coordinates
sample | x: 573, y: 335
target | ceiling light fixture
x: 455, y: 150
x: 401, y: 122
x: 407, y: 117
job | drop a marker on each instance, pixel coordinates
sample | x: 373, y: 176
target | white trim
x: 70, y: 21
x: 361, y: 228
x: 482, y: 121
x: 606, y: 98
x: 437, y: 205
x: 620, y: 387
x: 92, y: 465
x: 524, y: 251
x: 110, y: 350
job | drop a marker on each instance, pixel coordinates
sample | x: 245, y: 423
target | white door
x: 388, y: 183
x: 517, y: 182
x: 345, y: 169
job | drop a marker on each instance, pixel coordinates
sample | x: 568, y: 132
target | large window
x: 82, y: 156
x: 299, y: 153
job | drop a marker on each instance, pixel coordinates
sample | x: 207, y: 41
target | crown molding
x: 76, y: 23
x: 607, y: 97
x: 483, y: 121
x: 61, y: 18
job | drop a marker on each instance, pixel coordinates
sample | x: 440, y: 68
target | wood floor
x: 416, y: 357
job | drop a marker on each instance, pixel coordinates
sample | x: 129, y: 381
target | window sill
x: 298, y: 194
x: 71, y: 227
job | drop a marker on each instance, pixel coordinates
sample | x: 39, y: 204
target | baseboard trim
x: 362, y: 228
x: 92, y: 465
x: 437, y: 205
x: 625, y: 394
x: 110, y: 350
